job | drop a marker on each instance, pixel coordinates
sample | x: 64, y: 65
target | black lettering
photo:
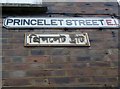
x: 53, y: 22
x: 94, y: 22
x: 45, y: 22
x: 115, y: 22
x: 40, y: 22
x: 60, y: 21
x: 16, y: 21
x: 9, y: 21
x: 88, y: 22
x: 26, y: 22
x: 101, y: 21
x: 68, y: 22
x: 81, y: 22
x: 33, y: 22
x: 75, y: 21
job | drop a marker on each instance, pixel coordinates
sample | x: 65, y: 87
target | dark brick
x: 55, y: 66
x: 7, y: 46
x: 16, y: 82
x: 6, y: 66
x: 16, y: 40
x: 16, y: 52
x: 113, y: 79
x: 59, y: 51
x: 59, y: 73
x: 5, y: 74
x: 79, y: 65
x: 6, y: 35
x: 59, y: 59
x: 63, y: 80
x: 37, y: 52
x: 3, y: 41
x: 100, y: 64
x: 83, y: 58
x: 84, y: 79
x: 6, y: 59
x: 100, y: 79
x: 18, y: 59
x: 78, y: 52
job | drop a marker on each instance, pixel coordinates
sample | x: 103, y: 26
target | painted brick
x: 17, y: 74
x: 41, y: 82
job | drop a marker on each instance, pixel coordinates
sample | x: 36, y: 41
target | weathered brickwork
x: 96, y: 65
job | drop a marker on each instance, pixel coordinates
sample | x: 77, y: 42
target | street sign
x: 56, y: 22
x: 57, y: 39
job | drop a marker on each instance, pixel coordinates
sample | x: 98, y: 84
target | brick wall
x: 94, y: 66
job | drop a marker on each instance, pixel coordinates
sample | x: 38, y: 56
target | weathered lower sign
x: 56, y: 22
x: 57, y: 39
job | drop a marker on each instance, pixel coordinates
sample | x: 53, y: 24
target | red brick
x: 38, y: 73
x: 19, y: 66
x: 37, y: 59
